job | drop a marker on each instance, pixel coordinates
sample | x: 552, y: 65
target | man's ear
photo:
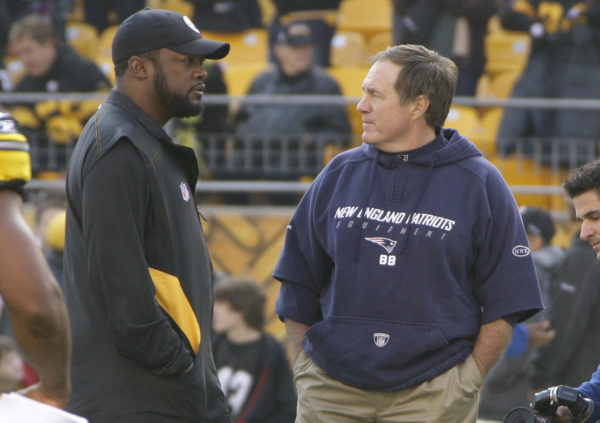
x: 420, y: 106
x: 139, y: 67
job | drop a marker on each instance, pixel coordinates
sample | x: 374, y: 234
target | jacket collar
x: 120, y: 100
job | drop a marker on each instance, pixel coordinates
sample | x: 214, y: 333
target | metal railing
x: 287, y: 157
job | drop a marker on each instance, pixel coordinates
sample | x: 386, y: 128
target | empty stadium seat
x: 506, y: 51
x: 267, y: 10
x: 524, y: 171
x: 250, y: 46
x: 489, y: 122
x: 347, y: 48
x: 502, y: 84
x: 369, y: 17
x: 239, y: 77
x: 484, y: 87
x: 107, y: 67
x: 465, y: 119
x: 350, y: 80
x: 105, y: 41
x: 184, y: 7
x: 83, y: 37
x: 379, y: 42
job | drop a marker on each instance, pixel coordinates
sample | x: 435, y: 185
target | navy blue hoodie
x: 396, y: 260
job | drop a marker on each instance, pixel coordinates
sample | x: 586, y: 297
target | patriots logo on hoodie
x: 386, y: 243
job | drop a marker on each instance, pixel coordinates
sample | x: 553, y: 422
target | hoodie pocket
x: 371, y: 349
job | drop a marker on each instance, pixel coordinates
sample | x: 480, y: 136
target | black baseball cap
x: 153, y: 29
x: 295, y: 35
x: 538, y: 222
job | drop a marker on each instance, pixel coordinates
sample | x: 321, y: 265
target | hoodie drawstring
x: 364, y: 204
x: 413, y: 208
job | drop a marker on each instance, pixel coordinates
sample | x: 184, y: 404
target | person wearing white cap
x: 138, y: 276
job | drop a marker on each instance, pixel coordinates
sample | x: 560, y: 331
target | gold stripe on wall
x: 172, y: 299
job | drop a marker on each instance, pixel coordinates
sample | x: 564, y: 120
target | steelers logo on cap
x: 190, y: 24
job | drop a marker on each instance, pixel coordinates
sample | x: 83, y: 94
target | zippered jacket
x: 138, y: 278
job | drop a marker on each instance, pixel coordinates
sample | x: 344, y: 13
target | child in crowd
x: 253, y: 368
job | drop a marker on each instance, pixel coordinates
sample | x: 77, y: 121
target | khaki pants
x: 451, y: 397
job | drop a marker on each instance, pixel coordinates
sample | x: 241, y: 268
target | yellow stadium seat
x: 250, y: 46
x: 107, y: 67
x: 26, y: 117
x: 184, y: 7
x: 494, y: 24
x: 524, y: 171
x: 348, y: 48
x: 76, y: 13
x: 350, y: 80
x: 105, y: 41
x: 484, y: 87
x: 489, y: 122
x: 49, y: 175
x: 506, y: 51
x: 63, y: 129
x: 502, y: 84
x: 83, y: 37
x: 465, y: 119
x: 368, y: 17
x: 379, y: 42
x: 54, y: 235
x: 239, y: 77
x: 267, y: 10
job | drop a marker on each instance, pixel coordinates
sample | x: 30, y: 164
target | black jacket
x: 138, y: 280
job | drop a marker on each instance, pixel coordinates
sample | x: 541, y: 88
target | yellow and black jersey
x: 15, y: 163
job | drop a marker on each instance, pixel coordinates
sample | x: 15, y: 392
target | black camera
x: 546, y: 402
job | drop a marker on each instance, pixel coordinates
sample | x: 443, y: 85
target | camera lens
x: 519, y: 415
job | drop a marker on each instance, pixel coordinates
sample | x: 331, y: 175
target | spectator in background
x: 252, y: 366
x: 563, y: 63
x: 227, y: 15
x: 11, y: 10
x: 415, y: 22
x: 315, y: 14
x: 540, y: 229
x: 509, y: 383
x: 300, y: 129
x: 51, y: 65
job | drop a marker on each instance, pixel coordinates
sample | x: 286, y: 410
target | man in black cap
x: 138, y: 276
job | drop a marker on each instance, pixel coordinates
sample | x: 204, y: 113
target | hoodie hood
x: 447, y: 148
